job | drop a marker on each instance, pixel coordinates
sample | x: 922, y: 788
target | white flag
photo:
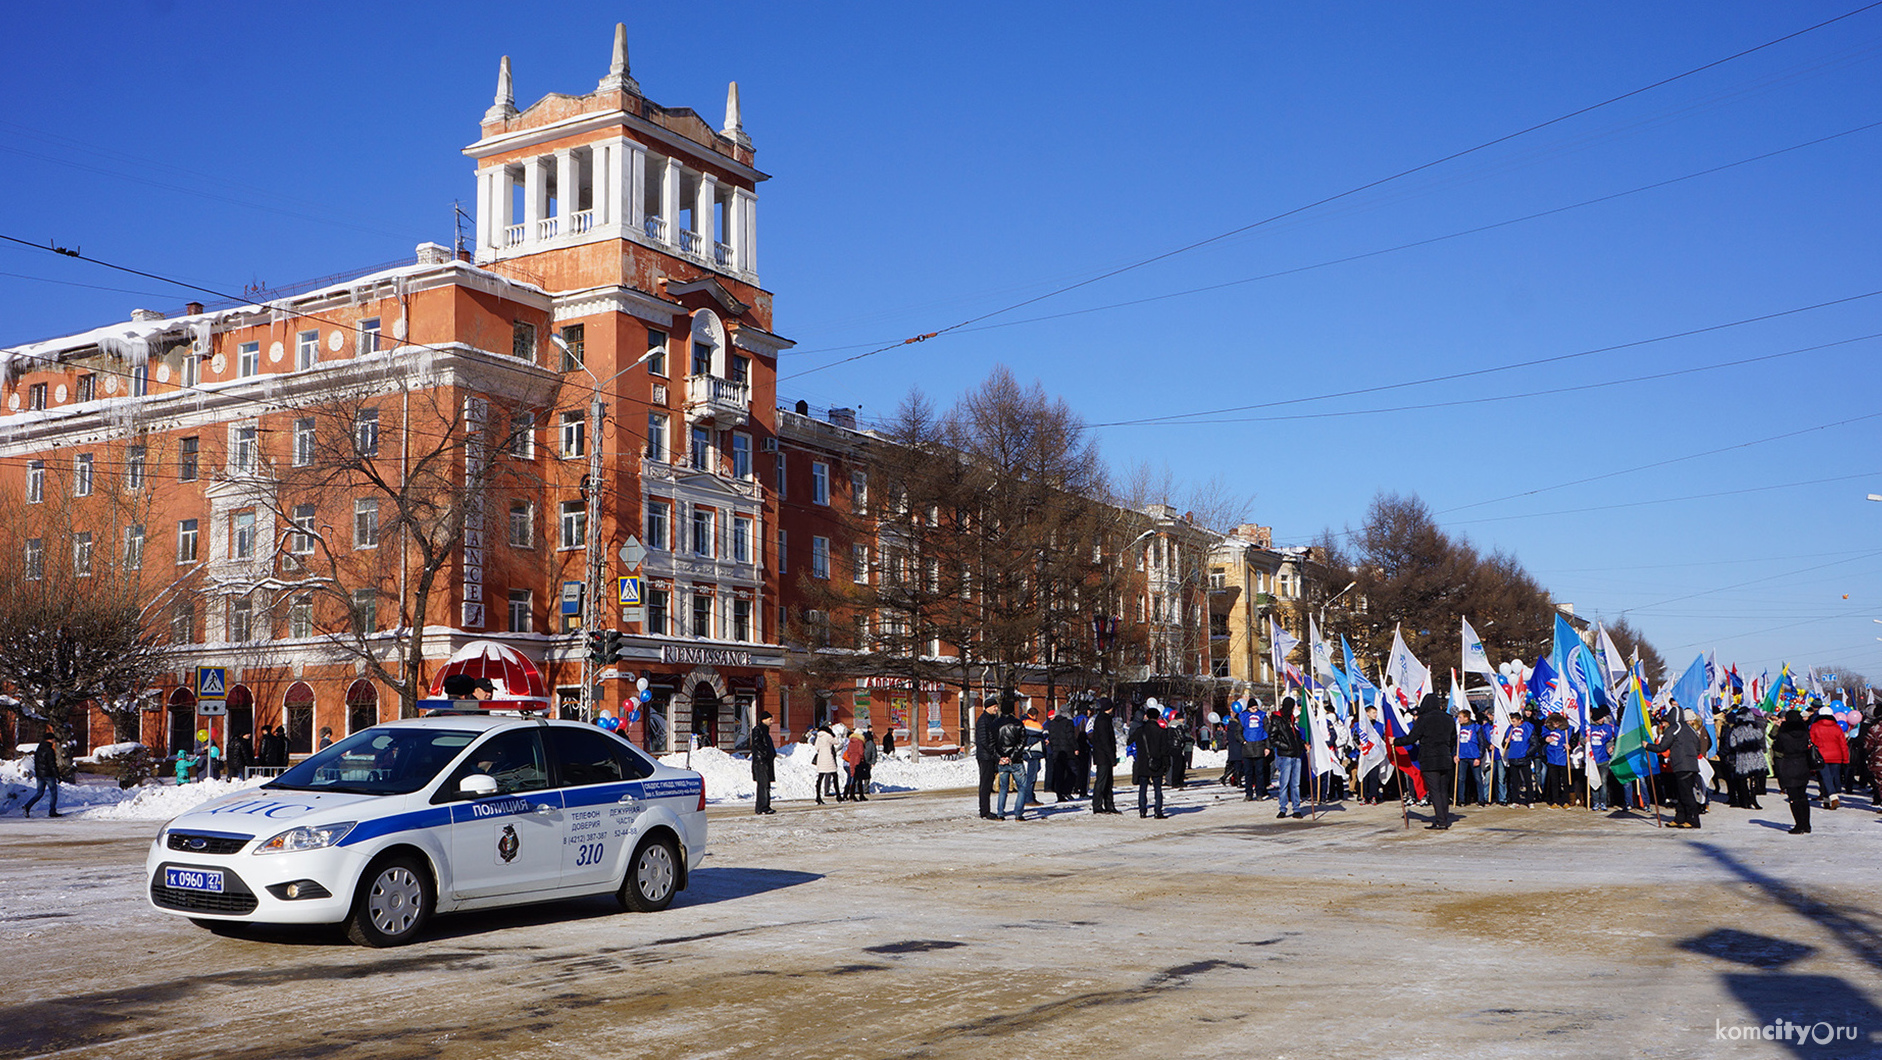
x: 1371, y: 749
x: 1406, y: 671
x: 1282, y: 642
x: 1321, y: 652
x: 1320, y: 750
x: 1613, y: 663
x: 1476, y: 660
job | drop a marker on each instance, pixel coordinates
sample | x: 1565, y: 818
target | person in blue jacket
x: 1257, y: 756
x: 1602, y: 732
x: 1469, y: 754
x: 1518, y: 748
x: 1557, y: 741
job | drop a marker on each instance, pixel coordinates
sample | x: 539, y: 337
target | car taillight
x: 702, y: 795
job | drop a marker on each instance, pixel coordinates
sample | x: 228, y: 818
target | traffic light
x: 603, y: 645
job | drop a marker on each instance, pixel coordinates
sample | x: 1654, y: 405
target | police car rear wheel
x: 393, y: 903
x: 652, y: 876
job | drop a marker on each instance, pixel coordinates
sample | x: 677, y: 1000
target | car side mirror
x: 477, y: 785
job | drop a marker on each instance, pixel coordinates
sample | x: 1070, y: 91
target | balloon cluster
x: 608, y: 721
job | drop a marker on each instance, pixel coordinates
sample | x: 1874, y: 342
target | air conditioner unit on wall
x: 767, y: 445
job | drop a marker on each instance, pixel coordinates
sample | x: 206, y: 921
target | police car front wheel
x: 652, y: 876
x: 392, y: 905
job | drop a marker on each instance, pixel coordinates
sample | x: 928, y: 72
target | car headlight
x: 306, y: 837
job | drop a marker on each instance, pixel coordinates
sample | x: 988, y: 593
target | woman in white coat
x: 824, y: 761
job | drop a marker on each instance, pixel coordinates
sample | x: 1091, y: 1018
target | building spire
x: 504, y: 108
x: 734, y: 129
x: 618, y: 78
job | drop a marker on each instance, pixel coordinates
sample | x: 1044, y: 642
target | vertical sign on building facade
x: 471, y: 567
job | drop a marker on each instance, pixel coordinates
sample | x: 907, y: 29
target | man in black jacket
x: 764, y: 758
x: 1684, y: 745
x: 1152, y: 761
x: 1062, y: 749
x: 1103, y: 741
x: 46, y: 775
x: 1435, y: 736
x: 240, y: 757
x: 985, y: 756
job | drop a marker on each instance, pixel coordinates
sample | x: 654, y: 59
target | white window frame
x: 303, y: 441
x: 702, y: 529
x: 365, y: 522
x: 819, y: 482
x: 134, y: 547
x: 306, y: 349
x: 859, y: 558
x: 366, y: 432
x: 657, y: 427
x: 301, y: 542
x: 660, y: 536
x: 573, y: 524
x: 819, y: 557
x: 35, y: 559
x: 242, y: 535
x: 36, y: 482
x: 81, y: 553
x: 188, y: 534
x: 574, y: 430
x: 522, y: 524
x: 248, y: 359
x: 742, y: 527
x: 521, y: 603
x: 741, y: 456
x: 369, y: 332
x: 859, y: 492
x: 301, y: 617
x: 244, y: 444
x: 136, y: 467
x: 81, y: 475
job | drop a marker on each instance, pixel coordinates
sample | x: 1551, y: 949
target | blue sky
x: 936, y: 164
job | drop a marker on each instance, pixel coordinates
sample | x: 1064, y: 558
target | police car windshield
x: 378, y: 762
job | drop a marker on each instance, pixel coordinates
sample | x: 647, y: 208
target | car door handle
x: 543, y: 807
x: 629, y: 799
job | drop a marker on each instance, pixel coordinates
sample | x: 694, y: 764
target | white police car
x: 436, y: 814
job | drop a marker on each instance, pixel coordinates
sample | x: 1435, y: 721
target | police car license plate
x: 193, y: 879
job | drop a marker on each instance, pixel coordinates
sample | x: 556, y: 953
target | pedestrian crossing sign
x: 629, y: 589
x: 212, y: 682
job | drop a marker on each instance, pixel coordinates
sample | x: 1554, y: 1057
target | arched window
x: 708, y: 344
x: 362, y: 706
x: 241, y: 714
x: 297, y: 708
x: 182, y: 720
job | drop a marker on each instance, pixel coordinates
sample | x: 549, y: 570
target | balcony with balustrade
x: 724, y: 403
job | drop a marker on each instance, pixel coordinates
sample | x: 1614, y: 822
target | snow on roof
x: 132, y: 339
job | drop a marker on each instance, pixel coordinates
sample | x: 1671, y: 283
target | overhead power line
x: 1348, y: 193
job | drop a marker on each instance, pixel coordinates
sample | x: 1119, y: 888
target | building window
x: 307, y: 349
x: 782, y: 540
x: 36, y: 397
x: 777, y: 465
x: 35, y: 481
x: 242, y: 538
x: 366, y: 432
x: 186, y: 459
x: 301, y: 542
x: 366, y: 522
x: 81, y: 553
x: 248, y: 359
x: 701, y: 449
x: 242, y: 453
x: 657, y: 612
x: 657, y: 436
x: 657, y: 521
x: 741, y: 619
x: 702, y: 357
x: 192, y: 373
x: 136, y: 459
x: 183, y: 624
x: 859, y: 562
x: 186, y: 541
x: 521, y: 607
x: 702, y: 531
x: 365, y: 611
x: 741, y: 455
x: 81, y: 478
x: 657, y: 345
x: 303, y: 442
x: 87, y: 387
x: 574, y: 524
x: 820, y: 557
x: 241, y: 621
x: 523, y: 341
x: 522, y: 524
x: 301, y: 617
x: 738, y: 369
x: 859, y: 492
x: 574, y: 429
x: 820, y: 482
x: 741, y: 539
x: 140, y: 377
x: 134, y: 547
x: 573, y: 342
x: 35, y: 559
x: 523, y: 436
x: 702, y: 615
x: 369, y: 335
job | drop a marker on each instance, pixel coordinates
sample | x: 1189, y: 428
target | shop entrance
x: 706, y: 714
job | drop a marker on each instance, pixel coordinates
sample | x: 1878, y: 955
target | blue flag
x: 1690, y: 691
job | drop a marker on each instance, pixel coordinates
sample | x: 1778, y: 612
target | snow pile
x: 160, y: 802
x: 729, y: 777
x: 110, y: 750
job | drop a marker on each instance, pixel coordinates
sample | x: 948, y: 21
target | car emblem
x: 198, y: 843
x: 508, y: 844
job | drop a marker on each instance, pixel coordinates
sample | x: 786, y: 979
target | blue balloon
x: 646, y: 695
x: 633, y: 715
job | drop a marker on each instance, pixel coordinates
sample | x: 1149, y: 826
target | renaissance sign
x: 689, y: 655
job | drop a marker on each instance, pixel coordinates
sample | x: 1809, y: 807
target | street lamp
x: 591, y: 498
x: 1329, y: 602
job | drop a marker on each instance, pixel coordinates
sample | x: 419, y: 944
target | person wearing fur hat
x: 1434, y: 734
x: 1827, y: 736
x: 1790, y: 761
x: 1684, y: 744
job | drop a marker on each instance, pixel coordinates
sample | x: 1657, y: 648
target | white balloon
x: 1214, y: 718
x: 1153, y: 704
x: 640, y: 684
